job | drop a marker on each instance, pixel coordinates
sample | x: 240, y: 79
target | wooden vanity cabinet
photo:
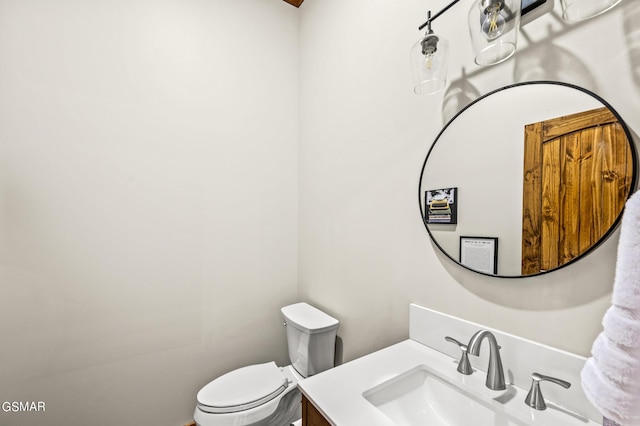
x: 311, y: 416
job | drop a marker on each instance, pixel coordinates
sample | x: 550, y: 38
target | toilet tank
x: 311, y: 338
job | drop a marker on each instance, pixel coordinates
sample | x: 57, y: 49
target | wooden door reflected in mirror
x: 565, y: 211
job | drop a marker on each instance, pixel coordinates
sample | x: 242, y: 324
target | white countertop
x: 337, y: 393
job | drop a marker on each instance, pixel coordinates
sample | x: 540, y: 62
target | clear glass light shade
x: 429, y: 57
x: 580, y: 10
x: 493, y: 25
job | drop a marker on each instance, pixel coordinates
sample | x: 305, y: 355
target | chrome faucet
x: 495, y: 372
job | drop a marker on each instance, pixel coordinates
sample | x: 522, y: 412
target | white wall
x: 148, y: 201
x: 364, y: 253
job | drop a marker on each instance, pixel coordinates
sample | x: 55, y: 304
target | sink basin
x: 422, y: 397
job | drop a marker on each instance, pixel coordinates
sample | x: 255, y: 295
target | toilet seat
x: 281, y: 408
x: 243, y: 389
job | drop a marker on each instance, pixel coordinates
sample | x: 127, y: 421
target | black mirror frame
x: 605, y: 236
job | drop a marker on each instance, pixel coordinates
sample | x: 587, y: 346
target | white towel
x: 611, y: 377
x: 622, y: 325
x: 613, y: 359
x: 626, y: 287
x: 607, y: 396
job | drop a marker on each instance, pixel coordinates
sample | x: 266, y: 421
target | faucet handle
x: 464, y: 366
x: 534, y: 398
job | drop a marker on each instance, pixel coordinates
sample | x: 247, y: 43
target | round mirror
x: 527, y: 179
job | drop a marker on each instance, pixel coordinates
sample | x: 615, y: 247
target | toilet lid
x: 242, y: 389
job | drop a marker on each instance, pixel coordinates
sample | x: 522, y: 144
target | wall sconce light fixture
x: 493, y: 25
x: 429, y: 57
x: 494, y: 30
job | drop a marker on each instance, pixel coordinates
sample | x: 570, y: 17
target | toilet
x: 265, y: 394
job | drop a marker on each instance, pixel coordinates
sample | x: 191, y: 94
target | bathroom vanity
x: 417, y: 382
x: 310, y: 414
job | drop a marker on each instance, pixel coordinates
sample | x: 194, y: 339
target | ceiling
x: 296, y: 3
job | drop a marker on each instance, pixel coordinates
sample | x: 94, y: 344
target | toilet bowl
x: 265, y: 394
x: 260, y: 394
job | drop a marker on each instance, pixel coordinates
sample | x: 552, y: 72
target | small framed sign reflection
x: 479, y: 254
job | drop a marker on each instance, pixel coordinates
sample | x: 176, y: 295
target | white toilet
x: 265, y: 394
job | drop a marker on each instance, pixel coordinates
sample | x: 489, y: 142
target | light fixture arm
x: 433, y: 18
